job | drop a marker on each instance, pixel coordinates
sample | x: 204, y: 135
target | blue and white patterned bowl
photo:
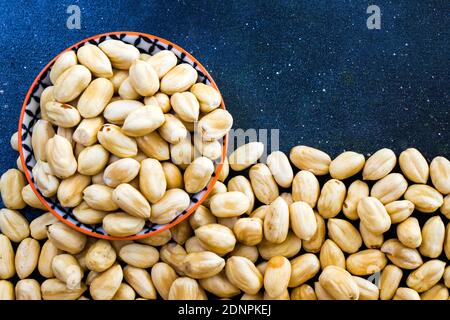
x: 30, y: 113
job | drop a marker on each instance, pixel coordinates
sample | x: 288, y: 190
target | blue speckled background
x: 309, y: 68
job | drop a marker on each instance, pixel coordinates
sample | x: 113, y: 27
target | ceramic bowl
x: 30, y: 113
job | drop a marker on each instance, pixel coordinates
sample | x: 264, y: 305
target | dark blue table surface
x: 311, y: 69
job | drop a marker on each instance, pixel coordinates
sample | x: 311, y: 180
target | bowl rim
x: 45, y: 203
